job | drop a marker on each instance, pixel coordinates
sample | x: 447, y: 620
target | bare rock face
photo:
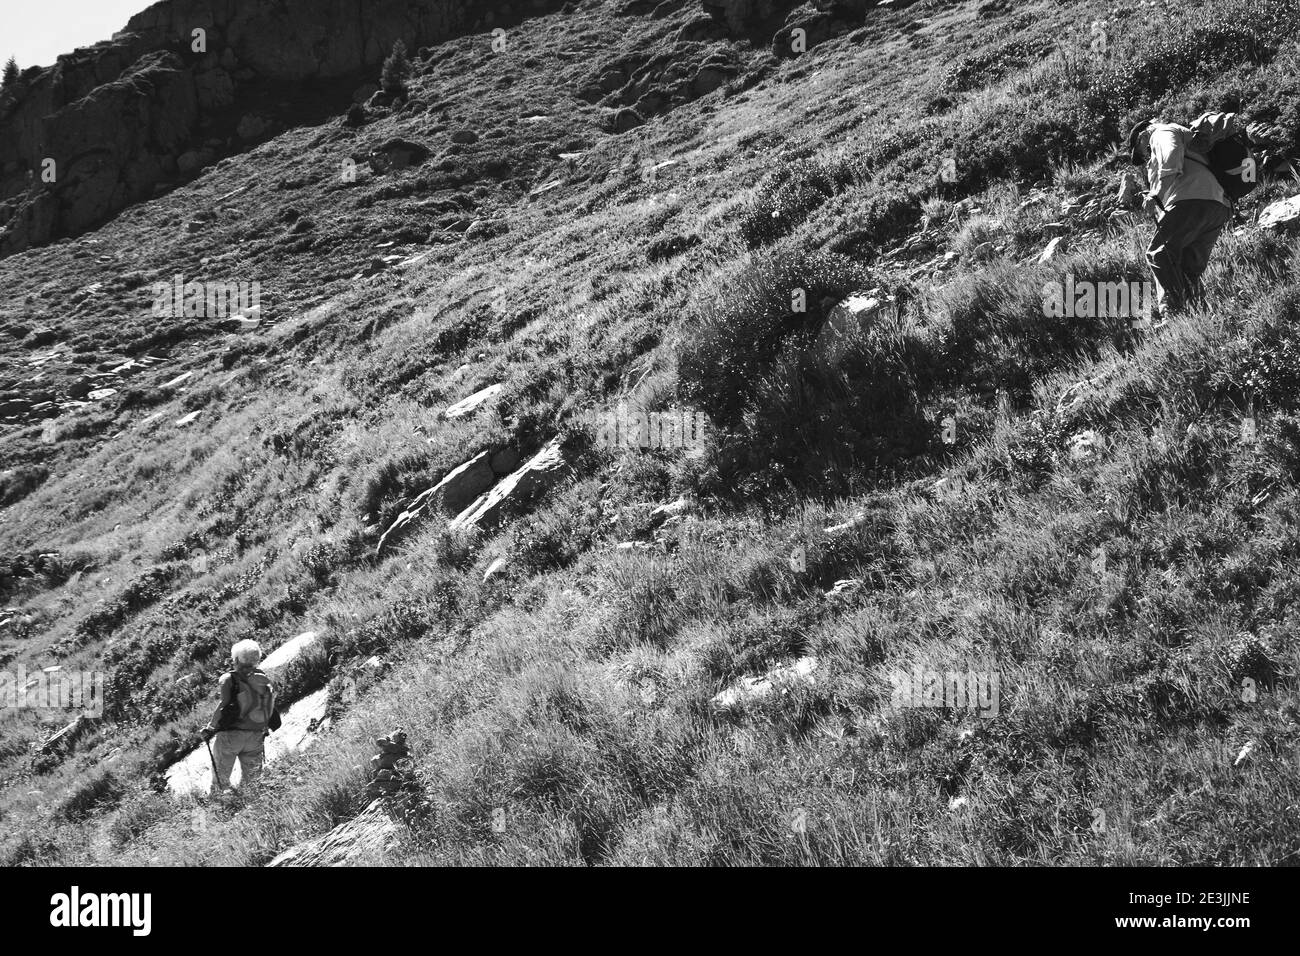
x: 104, y: 126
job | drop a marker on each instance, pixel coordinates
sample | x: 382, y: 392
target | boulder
x: 398, y: 154
x: 534, y: 477
x: 852, y: 316
x: 1283, y: 215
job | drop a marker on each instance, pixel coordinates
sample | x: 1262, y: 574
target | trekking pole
x: 216, y: 777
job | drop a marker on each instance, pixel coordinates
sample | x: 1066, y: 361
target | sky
x: 37, y: 31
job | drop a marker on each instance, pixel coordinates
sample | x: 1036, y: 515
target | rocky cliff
x: 120, y: 121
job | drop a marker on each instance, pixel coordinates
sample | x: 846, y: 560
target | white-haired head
x: 246, y: 652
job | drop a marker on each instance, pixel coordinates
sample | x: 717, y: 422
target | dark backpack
x: 232, y: 713
x: 1233, y: 165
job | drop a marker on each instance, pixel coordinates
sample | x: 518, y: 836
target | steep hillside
x: 678, y: 655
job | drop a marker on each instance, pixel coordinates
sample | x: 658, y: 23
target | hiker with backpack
x: 245, y: 714
x: 1194, y: 175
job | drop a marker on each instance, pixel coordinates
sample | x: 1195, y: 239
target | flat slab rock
x: 468, y: 405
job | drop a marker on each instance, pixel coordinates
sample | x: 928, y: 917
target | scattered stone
x: 545, y: 188
x: 853, y: 522
x: 99, y: 394
x: 186, y: 419
x: 672, y: 510
x: 1050, y: 250
x: 497, y: 565
x: 846, y: 586
x: 66, y: 737
x: 778, y: 679
x: 467, y: 405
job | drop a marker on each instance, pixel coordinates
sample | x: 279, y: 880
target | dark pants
x: 1180, y: 249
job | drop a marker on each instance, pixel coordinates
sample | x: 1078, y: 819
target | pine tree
x: 10, y: 74
x: 397, y: 70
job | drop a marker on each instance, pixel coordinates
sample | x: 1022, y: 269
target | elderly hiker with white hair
x: 245, y: 714
x: 1194, y: 174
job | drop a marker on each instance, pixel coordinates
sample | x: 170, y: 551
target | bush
x: 992, y: 63
x: 1215, y: 41
x: 790, y: 407
x: 739, y: 337
x: 101, y: 791
x: 21, y: 482
x: 787, y: 198
x: 397, y: 70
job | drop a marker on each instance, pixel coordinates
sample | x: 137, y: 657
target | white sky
x: 37, y: 31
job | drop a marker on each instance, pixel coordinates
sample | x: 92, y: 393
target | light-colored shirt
x: 1173, y: 171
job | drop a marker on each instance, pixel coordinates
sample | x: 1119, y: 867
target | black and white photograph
x: 518, y: 434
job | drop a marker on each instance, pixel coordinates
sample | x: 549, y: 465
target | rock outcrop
x: 112, y: 124
x: 535, y: 476
x: 454, y: 493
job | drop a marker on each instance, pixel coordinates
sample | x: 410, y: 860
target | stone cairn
x: 391, y: 767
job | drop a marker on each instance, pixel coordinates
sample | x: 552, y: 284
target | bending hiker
x: 245, y: 714
x: 1187, y: 195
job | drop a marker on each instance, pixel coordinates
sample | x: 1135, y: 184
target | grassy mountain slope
x: 572, y: 690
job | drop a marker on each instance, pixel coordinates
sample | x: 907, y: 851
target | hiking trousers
x: 1180, y: 249
x: 248, y: 746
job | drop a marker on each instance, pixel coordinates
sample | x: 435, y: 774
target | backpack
x: 1226, y: 151
x: 233, y: 711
